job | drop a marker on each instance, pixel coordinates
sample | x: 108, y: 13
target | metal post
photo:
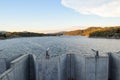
x: 47, y: 54
x: 96, y: 62
x: 96, y: 52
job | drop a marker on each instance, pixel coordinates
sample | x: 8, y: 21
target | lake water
x: 58, y: 45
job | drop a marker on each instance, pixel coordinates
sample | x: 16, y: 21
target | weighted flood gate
x: 73, y: 67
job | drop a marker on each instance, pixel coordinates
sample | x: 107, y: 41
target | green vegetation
x: 7, y: 35
x: 111, y: 32
x: 84, y: 32
x: 106, y: 32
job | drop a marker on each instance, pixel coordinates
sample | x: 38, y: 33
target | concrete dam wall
x: 20, y: 69
x: 64, y: 67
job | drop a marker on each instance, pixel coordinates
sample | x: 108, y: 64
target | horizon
x: 56, y: 16
x: 53, y: 31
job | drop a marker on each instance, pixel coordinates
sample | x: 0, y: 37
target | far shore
x: 62, y: 35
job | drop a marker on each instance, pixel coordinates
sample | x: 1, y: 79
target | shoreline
x: 62, y: 35
x: 105, y: 37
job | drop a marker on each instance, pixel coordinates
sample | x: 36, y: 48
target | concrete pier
x: 90, y: 67
x: 19, y: 69
x: 62, y: 71
x: 66, y: 67
x: 83, y: 67
x: 47, y: 69
x: 114, y: 66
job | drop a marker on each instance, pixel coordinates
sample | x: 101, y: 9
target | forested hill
x: 106, y: 32
x: 6, y: 35
x: 85, y: 32
x: 111, y: 32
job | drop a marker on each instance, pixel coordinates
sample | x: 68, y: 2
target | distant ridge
x: 6, y: 35
x: 82, y: 32
x: 108, y: 32
x: 102, y: 32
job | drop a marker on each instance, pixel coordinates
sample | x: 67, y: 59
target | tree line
x: 103, y: 32
x: 84, y: 32
x: 111, y: 32
x: 23, y: 34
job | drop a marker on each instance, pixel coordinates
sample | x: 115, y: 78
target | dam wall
x: 64, y: 67
x: 33, y: 67
x: 71, y: 67
x: 83, y: 67
x: 5, y: 63
x: 114, y: 66
x: 3, y: 67
x: 62, y: 71
x: 19, y: 69
x: 47, y: 69
x: 91, y: 67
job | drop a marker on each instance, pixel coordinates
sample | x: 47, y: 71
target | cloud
x: 104, y: 8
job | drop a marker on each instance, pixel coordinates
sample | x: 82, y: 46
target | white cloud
x: 105, y: 8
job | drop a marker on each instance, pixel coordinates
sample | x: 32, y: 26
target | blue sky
x: 56, y: 15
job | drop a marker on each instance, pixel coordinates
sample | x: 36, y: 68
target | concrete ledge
x: 2, y: 76
x: 19, y: 59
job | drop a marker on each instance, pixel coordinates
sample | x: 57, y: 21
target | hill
x: 106, y: 32
x: 111, y: 32
x: 6, y: 35
x: 84, y: 32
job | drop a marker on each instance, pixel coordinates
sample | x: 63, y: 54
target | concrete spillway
x: 83, y: 67
x: 64, y: 67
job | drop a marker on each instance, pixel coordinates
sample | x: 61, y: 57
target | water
x: 57, y: 45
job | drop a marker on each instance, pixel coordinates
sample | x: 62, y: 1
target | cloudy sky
x: 57, y: 15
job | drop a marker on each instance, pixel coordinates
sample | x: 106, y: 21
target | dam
x: 82, y: 66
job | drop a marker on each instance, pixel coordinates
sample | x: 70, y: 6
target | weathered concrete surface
x: 8, y: 60
x: 114, y: 73
x: 73, y: 67
x: 65, y: 67
x: 89, y: 67
x: 32, y: 67
x: 56, y: 68
x: 3, y: 65
x: 47, y: 68
x: 80, y: 67
x: 102, y: 68
x: 70, y: 67
x: 19, y: 69
x: 62, y: 71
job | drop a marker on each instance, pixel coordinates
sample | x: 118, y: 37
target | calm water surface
x: 57, y: 45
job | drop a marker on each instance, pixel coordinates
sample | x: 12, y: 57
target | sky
x: 46, y: 16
